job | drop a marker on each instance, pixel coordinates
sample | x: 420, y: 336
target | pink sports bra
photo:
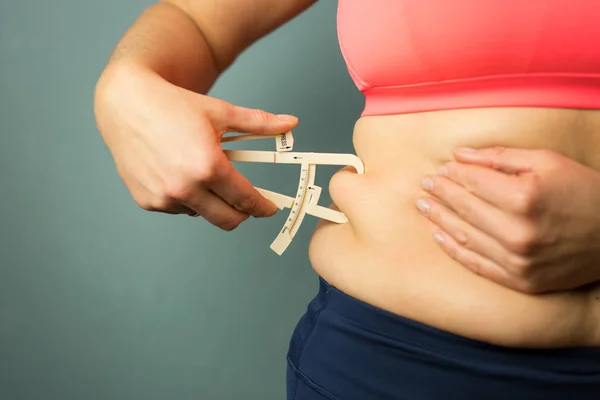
x: 423, y: 55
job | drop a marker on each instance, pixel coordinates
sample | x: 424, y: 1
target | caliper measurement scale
x: 297, y: 210
x: 307, y: 195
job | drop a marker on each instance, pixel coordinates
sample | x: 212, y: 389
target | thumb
x: 248, y: 120
x: 507, y: 160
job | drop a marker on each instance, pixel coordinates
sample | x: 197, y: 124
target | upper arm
x: 229, y: 26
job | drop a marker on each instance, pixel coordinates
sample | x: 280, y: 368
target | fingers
x: 237, y: 191
x: 488, y: 184
x: 195, y: 200
x: 476, y: 263
x: 477, y: 251
x: 215, y: 210
x: 167, y: 207
x: 471, y: 209
x: 465, y: 235
x: 508, y: 160
x: 474, y: 249
x: 214, y: 191
x: 179, y: 209
x: 230, y: 118
x: 518, y: 195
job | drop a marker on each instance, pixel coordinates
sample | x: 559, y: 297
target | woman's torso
x: 385, y: 255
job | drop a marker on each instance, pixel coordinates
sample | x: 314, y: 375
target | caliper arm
x: 307, y: 195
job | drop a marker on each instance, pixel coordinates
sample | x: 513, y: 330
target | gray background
x: 102, y: 300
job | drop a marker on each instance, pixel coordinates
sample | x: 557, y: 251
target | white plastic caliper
x: 307, y: 195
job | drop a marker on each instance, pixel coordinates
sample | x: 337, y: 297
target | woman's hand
x: 165, y: 142
x: 526, y: 219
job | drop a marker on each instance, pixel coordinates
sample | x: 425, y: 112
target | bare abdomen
x: 386, y: 256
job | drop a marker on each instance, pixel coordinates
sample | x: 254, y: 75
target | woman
x: 396, y: 317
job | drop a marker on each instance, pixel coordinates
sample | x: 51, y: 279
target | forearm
x: 167, y: 41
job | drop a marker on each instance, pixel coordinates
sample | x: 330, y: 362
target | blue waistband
x: 350, y: 349
x: 441, y: 342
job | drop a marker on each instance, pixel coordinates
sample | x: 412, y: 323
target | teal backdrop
x: 102, y: 300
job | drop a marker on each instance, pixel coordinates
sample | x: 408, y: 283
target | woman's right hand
x: 165, y: 142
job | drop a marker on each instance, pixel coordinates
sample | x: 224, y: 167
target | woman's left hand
x: 526, y: 219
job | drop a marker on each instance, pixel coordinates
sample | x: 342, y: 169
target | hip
x: 343, y: 348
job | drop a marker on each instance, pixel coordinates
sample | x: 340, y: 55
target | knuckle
x: 209, y: 169
x: 463, y: 174
x: 519, y: 265
x: 246, y: 203
x: 263, y: 118
x: 184, y: 177
x: 526, y: 285
x: 434, y: 213
x: 144, y: 204
x: 525, y: 199
x: 465, y: 210
x: 521, y: 203
x: 259, y: 115
x: 446, y: 221
x: 463, y: 239
x: 207, y: 173
x: 175, y: 189
x: 452, y: 252
x: 153, y: 204
x: 497, y: 152
x: 231, y: 224
x: 521, y: 243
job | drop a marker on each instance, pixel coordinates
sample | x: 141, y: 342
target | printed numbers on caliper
x: 307, y: 195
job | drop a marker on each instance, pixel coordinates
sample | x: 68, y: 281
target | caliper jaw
x: 307, y: 195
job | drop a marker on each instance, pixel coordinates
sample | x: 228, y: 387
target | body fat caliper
x: 307, y: 195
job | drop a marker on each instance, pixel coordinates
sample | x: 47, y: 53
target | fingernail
x: 286, y: 117
x: 427, y: 184
x: 443, y: 171
x: 423, y: 206
x: 438, y: 237
x: 466, y: 150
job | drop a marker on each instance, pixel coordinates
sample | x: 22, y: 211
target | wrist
x: 115, y: 76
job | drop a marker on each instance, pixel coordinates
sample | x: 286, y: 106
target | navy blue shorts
x: 345, y: 349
